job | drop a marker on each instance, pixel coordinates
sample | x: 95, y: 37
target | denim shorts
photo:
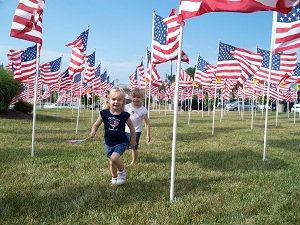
x: 137, y: 139
x: 120, y: 149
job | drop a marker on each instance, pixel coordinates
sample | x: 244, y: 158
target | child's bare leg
x: 113, y: 169
x: 115, y: 159
x: 134, y: 156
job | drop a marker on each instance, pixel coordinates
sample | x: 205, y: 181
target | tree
x: 9, y: 88
x: 191, y: 71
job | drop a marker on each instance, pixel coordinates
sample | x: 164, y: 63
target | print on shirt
x: 113, y: 123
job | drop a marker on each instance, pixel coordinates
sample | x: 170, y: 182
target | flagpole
x: 35, y: 98
x: 202, y: 101
x: 252, y: 107
x: 175, y: 114
x: 222, y: 101
x: 59, y: 79
x: 92, y: 118
x: 277, y: 104
x: 79, y: 100
x: 296, y: 99
x: 214, y: 108
x: 268, y: 90
x: 151, y: 62
x: 190, y: 109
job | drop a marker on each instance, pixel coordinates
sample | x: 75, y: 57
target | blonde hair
x: 115, y: 91
x: 137, y: 91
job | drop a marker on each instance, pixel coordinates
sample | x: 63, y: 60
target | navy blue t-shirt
x: 114, y: 126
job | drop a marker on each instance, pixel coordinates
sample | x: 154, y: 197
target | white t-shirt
x: 136, y: 116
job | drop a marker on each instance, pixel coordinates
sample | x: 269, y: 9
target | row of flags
x: 233, y: 63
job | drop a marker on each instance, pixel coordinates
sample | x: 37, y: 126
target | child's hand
x: 148, y: 139
x: 92, y: 134
x: 132, y: 143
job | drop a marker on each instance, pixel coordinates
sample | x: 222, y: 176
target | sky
x: 120, y: 31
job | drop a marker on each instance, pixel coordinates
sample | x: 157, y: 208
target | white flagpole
x: 202, y: 101
x: 93, y: 95
x: 190, y: 109
x: 79, y: 103
x: 222, y: 107
x: 243, y: 103
x: 79, y: 100
x: 277, y: 105
x: 268, y: 90
x: 175, y: 114
x: 145, y: 79
x: 151, y: 62
x: 266, y: 106
x: 35, y: 98
x: 296, y: 98
x: 214, y: 108
x: 252, y: 107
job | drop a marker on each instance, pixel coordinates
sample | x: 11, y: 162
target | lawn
x: 220, y: 178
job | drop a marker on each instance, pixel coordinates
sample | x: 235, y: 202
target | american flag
x: 227, y: 66
x: 90, y: 69
x: 166, y: 39
x: 155, y: 76
x: 186, y: 81
x: 148, y: 53
x: 140, y: 69
x: 295, y: 78
x: 65, y: 81
x: 25, y: 64
x: 27, y: 21
x: 76, y: 83
x: 9, y: 66
x: 192, y: 8
x: 282, y: 64
x: 157, y: 83
x: 133, y: 81
x: 204, y: 72
x: 49, y: 72
x: 249, y: 61
x: 96, y: 80
x: 78, y: 53
x: 14, y: 56
x: 103, y: 77
x: 287, y: 30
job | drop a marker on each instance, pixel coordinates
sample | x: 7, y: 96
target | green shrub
x: 23, y: 107
x: 9, y: 88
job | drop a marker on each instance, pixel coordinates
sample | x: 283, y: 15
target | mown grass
x: 220, y: 178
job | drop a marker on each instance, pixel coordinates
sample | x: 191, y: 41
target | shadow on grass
x: 203, y: 135
x: 50, y: 119
x: 60, y: 200
x: 243, y: 160
x: 286, y: 145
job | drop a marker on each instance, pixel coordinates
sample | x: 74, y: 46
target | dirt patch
x: 18, y: 115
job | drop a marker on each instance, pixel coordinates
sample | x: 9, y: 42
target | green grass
x: 220, y: 178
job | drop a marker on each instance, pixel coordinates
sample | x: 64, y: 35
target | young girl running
x: 114, y: 118
x: 137, y: 113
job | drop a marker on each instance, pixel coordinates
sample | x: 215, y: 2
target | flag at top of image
x: 192, y: 8
x: 27, y: 21
x: 287, y: 30
x: 166, y: 39
x: 78, y: 46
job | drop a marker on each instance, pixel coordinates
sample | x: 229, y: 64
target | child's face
x: 136, y: 99
x: 116, y: 102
